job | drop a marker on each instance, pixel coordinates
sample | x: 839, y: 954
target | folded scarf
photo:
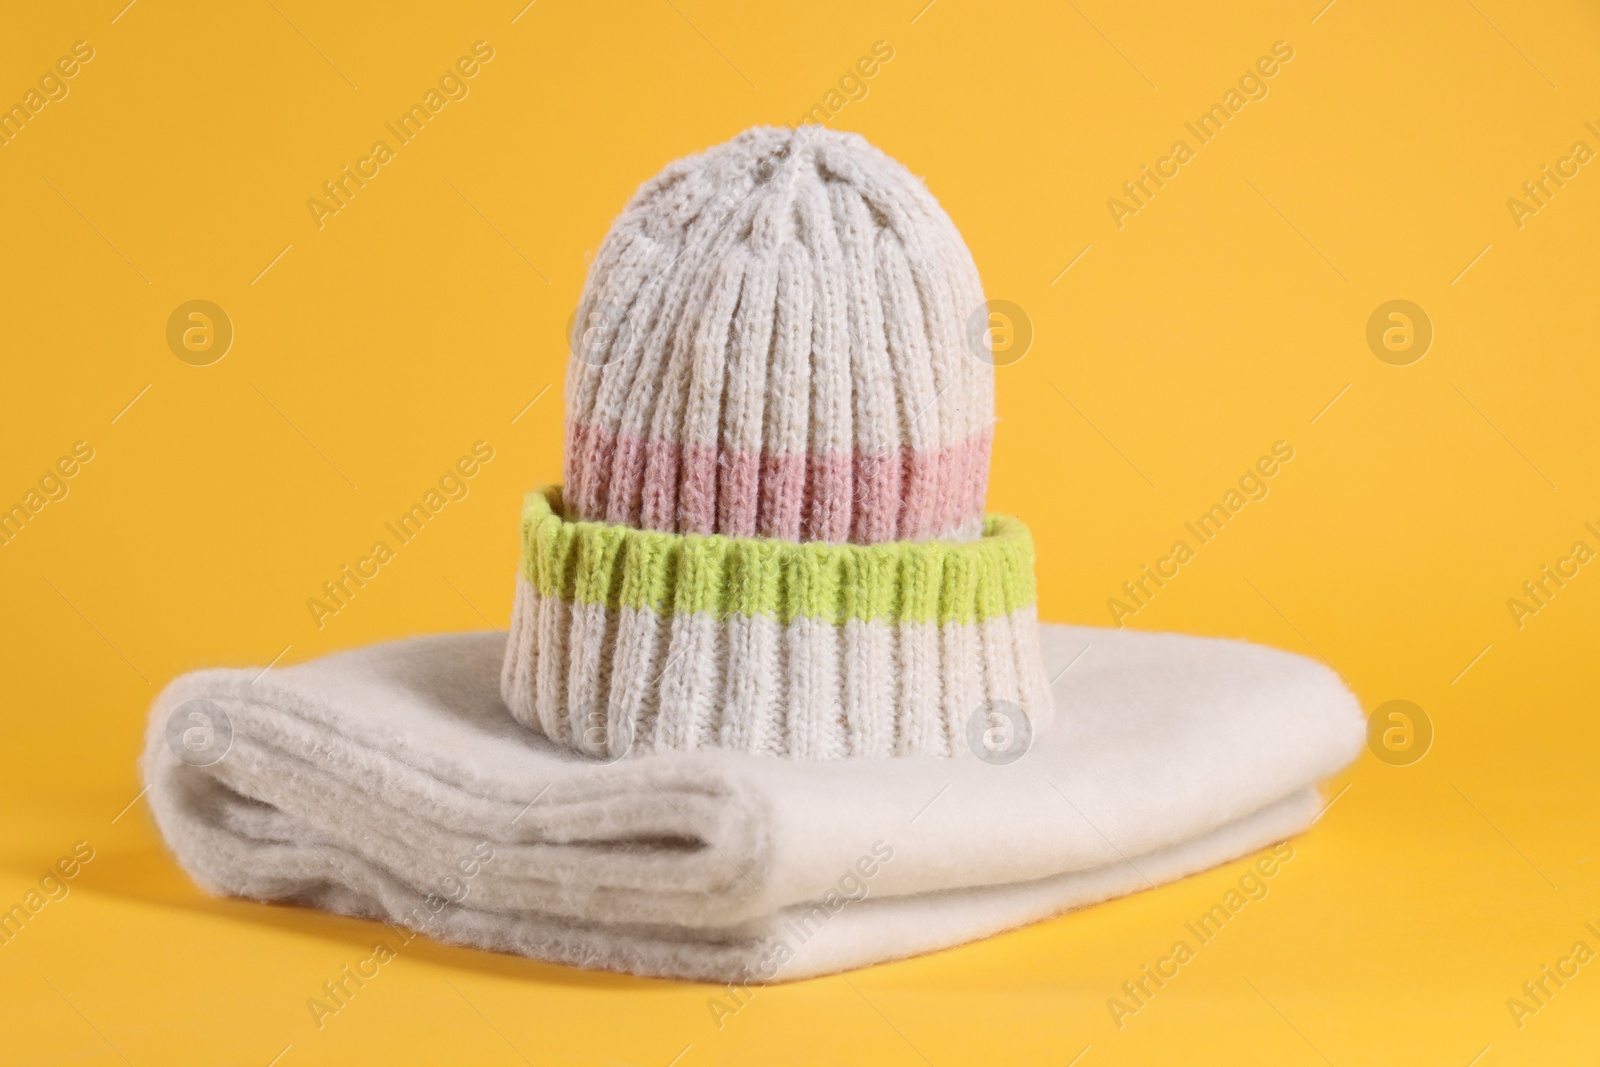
x: 390, y: 783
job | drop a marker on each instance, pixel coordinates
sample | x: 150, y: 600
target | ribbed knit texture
x: 629, y: 641
x: 772, y: 342
x: 771, y: 536
x: 617, y: 567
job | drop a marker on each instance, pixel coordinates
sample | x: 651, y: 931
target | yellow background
x: 425, y: 316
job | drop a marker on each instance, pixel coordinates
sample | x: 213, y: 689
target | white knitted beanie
x: 771, y: 535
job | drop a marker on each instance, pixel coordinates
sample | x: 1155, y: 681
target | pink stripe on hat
x: 775, y: 343
x: 866, y: 498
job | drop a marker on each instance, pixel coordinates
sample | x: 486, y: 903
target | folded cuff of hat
x: 627, y: 641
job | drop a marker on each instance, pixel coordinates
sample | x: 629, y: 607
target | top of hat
x: 774, y: 341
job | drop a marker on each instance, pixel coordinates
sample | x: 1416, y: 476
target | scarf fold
x: 389, y: 783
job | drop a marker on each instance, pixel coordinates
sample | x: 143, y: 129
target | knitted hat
x: 771, y: 536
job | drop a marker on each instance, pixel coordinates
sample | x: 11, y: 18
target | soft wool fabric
x: 626, y: 642
x: 390, y: 783
x: 773, y: 341
x: 774, y: 361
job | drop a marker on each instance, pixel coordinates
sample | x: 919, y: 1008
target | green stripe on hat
x: 922, y: 581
